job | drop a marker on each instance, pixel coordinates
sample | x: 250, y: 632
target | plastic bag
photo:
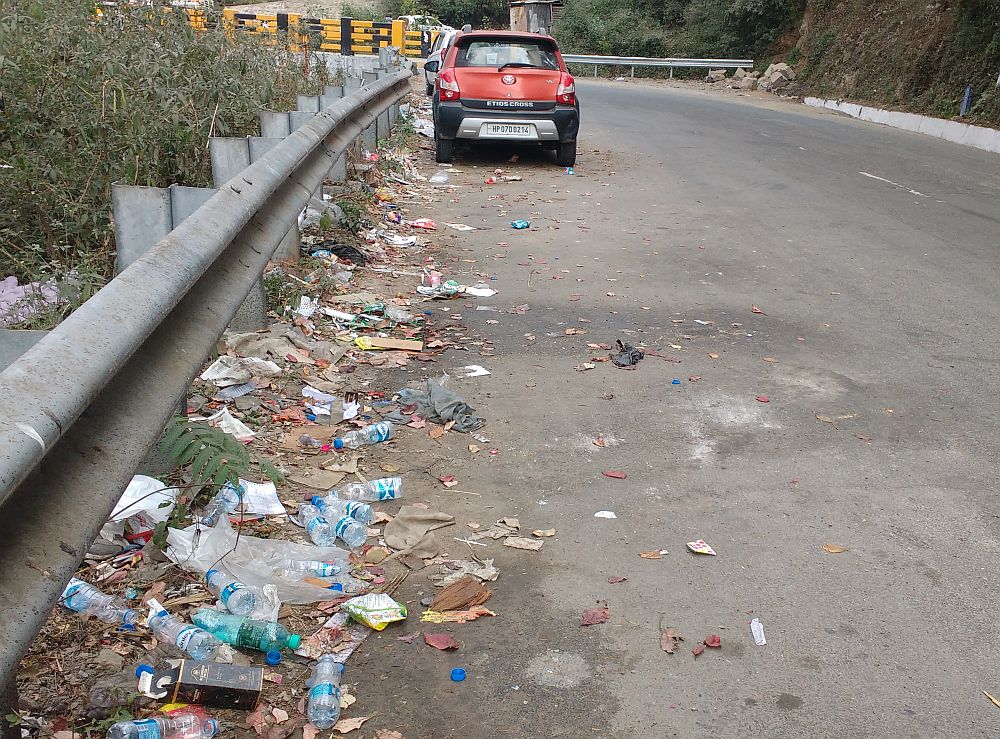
x: 250, y: 559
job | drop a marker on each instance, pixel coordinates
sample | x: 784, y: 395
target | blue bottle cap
x: 338, y: 443
x: 272, y: 658
x: 457, y: 675
x: 210, y: 727
x: 144, y: 669
x: 316, y: 500
x: 675, y: 381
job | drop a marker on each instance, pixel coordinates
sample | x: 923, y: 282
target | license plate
x: 508, y: 130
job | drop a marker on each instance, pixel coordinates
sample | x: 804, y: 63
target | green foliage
x: 793, y: 56
x: 354, y: 215
x: 360, y: 11
x: 480, y: 13
x: 132, y: 97
x: 696, y: 28
x: 214, y: 456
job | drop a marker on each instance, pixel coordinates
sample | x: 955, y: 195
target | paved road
x: 874, y: 256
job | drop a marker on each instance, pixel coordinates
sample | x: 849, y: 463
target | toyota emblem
x: 508, y: 79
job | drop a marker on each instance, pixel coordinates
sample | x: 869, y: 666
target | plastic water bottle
x: 226, y: 501
x: 332, y: 506
x: 351, y: 532
x: 309, y: 566
x: 348, y: 585
x: 176, y: 726
x: 385, y: 488
x: 373, y: 434
x: 324, y: 692
x: 235, y: 596
x: 241, y: 631
x: 199, y: 644
x: 83, y: 597
x: 317, y: 527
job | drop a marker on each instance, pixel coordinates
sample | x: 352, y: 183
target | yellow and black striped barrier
x: 342, y: 35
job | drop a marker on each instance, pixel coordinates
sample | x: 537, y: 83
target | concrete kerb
x: 987, y: 139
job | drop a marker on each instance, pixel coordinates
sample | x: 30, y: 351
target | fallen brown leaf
x: 698, y: 649
x: 772, y: 360
x: 670, y: 639
x: 616, y: 579
x: 834, y: 549
x: 599, y: 441
x: 713, y: 355
x: 615, y: 474
x: 441, y: 641
x: 755, y: 309
x: 437, y: 432
x: 713, y: 640
x: 594, y: 616
x: 651, y: 555
x: 347, y: 725
x: 544, y: 532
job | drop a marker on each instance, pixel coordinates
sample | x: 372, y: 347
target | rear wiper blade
x: 502, y: 67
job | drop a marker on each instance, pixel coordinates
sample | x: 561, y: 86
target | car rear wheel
x: 443, y: 150
x: 565, y: 154
x: 430, y: 89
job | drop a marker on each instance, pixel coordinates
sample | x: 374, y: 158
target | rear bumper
x: 455, y: 121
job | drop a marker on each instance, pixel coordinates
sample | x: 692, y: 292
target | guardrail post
x: 369, y: 138
x: 331, y: 94
x: 385, y: 119
x: 308, y: 103
x: 346, y: 31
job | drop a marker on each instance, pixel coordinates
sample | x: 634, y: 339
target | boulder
x: 748, y: 83
x: 780, y: 69
x: 776, y: 82
x: 740, y: 73
x: 716, y: 75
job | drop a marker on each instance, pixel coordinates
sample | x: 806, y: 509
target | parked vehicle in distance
x: 508, y: 86
x: 437, y: 52
x: 423, y: 23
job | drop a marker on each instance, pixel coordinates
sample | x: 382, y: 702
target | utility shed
x: 534, y: 16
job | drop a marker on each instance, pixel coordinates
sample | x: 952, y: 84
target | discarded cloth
x: 440, y: 405
x: 409, y: 531
x: 627, y: 356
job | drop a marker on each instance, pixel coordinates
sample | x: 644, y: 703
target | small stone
x: 109, y: 660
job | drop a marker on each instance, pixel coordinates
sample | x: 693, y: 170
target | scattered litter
x: 520, y: 224
x: 424, y: 223
x: 700, y: 547
x: 544, y: 532
x: 834, y: 549
x: 457, y: 675
x: 605, y: 514
x: 627, y: 356
x: 615, y: 474
x: 375, y: 610
x: 755, y: 309
x: 438, y: 178
x: 461, y: 227
x: 757, y: 630
x: 763, y: 399
x: 616, y: 579
x: 461, y: 594
x: 714, y: 641
x: 993, y: 700
x: 228, y: 370
x: 473, y: 370
x: 520, y: 542
x: 227, y: 423
x: 347, y: 725
x: 455, y: 617
x: 438, y: 404
x: 670, y: 639
x: 595, y: 616
x: 654, y: 554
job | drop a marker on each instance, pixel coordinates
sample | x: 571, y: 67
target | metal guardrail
x: 645, y: 61
x: 81, y: 409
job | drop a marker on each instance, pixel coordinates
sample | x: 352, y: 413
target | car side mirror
x: 432, y: 66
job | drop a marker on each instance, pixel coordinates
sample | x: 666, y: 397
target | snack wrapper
x: 375, y: 610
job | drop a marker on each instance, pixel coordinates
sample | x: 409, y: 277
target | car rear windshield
x: 507, y: 53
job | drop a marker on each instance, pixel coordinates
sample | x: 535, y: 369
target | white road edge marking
x: 894, y: 184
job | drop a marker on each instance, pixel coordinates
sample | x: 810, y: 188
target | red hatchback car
x: 507, y: 86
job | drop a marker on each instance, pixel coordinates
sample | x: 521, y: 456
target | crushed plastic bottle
x: 199, y: 644
x: 333, y: 506
x: 235, y: 596
x: 373, y: 434
x: 176, y: 726
x: 324, y: 692
x: 226, y: 501
x: 438, y: 178
x: 317, y: 527
x: 384, y: 488
x: 246, y: 632
x: 398, y: 315
x: 83, y: 597
x: 308, y: 566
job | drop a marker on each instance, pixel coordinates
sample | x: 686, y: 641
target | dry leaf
x: 256, y: 720
x: 772, y: 360
x: 651, y: 555
x: 763, y: 399
x: 834, y: 549
x: 510, y: 522
x: 346, y: 725
x: 599, y: 441
x: 698, y: 649
x: 755, y: 309
x: 669, y: 640
x: 544, y: 532
x: 594, y: 616
x: 347, y: 700
x: 448, y: 481
x: 864, y: 437
x: 824, y: 419
x: 441, y: 641
x: 615, y: 474
x: 309, y: 732
x: 389, y: 467
x: 474, y: 448
x: 280, y: 716
x: 437, y: 432
x: 713, y: 355
x: 616, y: 579
x: 713, y: 640
x: 520, y: 542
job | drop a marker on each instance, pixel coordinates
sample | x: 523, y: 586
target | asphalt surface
x: 874, y: 257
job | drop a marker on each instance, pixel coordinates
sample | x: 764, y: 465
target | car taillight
x: 448, y: 85
x: 566, y: 92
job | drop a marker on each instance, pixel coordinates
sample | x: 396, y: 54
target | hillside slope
x: 913, y: 55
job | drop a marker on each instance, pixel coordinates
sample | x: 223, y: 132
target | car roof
x: 506, y: 34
